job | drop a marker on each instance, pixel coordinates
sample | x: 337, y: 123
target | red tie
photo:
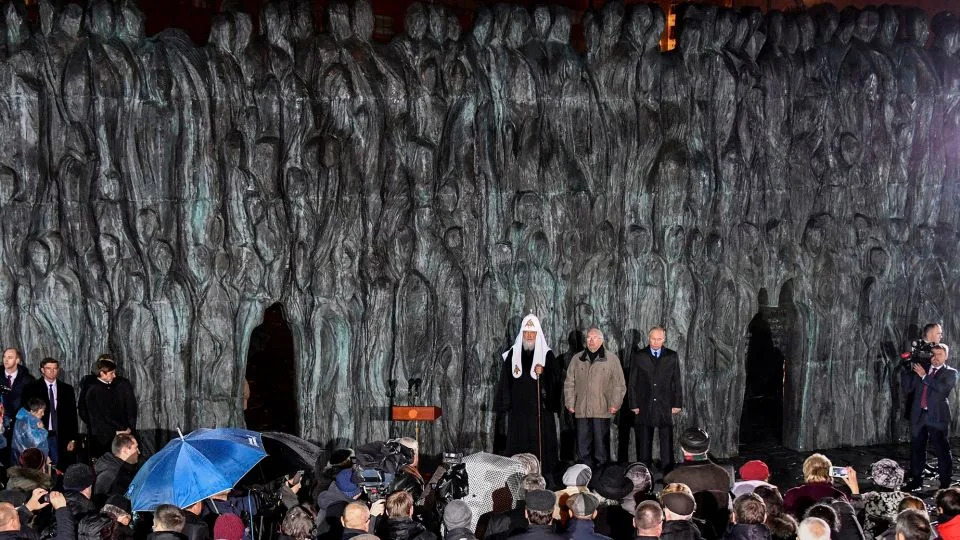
x: 923, y: 396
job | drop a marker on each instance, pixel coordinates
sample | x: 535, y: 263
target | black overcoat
x: 654, y: 386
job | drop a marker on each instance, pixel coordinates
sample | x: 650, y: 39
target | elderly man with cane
x: 528, y: 393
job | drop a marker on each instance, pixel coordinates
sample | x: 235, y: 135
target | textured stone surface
x: 408, y: 203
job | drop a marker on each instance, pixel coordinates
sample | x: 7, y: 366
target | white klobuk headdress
x: 530, y: 324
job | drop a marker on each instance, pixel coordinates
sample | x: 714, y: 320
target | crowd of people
x: 695, y: 499
x: 62, y: 485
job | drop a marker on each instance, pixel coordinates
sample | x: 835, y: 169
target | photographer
x: 930, y: 412
x: 262, y: 505
x: 332, y: 503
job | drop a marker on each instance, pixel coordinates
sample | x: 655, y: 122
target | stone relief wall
x: 409, y: 202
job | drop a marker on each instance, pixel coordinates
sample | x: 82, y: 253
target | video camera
x: 374, y: 484
x: 921, y: 352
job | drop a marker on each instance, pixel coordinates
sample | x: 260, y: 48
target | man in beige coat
x: 593, y: 391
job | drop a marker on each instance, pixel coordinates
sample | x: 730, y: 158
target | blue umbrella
x: 192, y: 468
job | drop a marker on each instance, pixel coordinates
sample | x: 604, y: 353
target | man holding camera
x: 930, y: 414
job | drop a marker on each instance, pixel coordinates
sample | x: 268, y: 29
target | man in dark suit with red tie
x: 655, y: 395
x: 930, y: 415
x: 60, y: 417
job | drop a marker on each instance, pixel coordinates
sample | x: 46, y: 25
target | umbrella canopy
x: 495, y: 484
x: 192, y: 468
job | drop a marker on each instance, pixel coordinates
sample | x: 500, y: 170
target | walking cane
x: 539, y: 436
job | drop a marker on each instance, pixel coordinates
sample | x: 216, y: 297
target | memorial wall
x: 407, y: 203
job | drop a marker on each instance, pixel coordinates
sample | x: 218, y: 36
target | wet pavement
x: 786, y: 466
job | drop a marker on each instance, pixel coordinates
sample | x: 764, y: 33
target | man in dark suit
x: 655, y: 394
x: 16, y: 376
x: 60, y: 417
x: 930, y: 415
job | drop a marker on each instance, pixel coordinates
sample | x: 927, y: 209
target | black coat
x: 13, y: 399
x: 615, y: 522
x: 113, y: 477
x: 680, y: 529
x: 654, y: 385
x: 539, y: 532
x: 109, y: 408
x: 508, y: 523
x: 67, y: 424
x: 405, y: 529
x: 517, y: 398
x: 195, y: 528
x: 747, y: 532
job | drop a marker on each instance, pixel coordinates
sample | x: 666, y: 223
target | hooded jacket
x: 27, y: 479
x: 330, y: 505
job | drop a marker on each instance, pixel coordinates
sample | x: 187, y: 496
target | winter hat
x: 541, y: 500
x: 582, y: 504
x: 887, y: 473
x: 695, y: 441
x: 33, y: 458
x: 754, y: 470
x: 457, y: 515
x: 577, y: 475
x: 679, y: 503
x: 346, y: 484
x: 228, y: 527
x: 341, y: 457
x: 611, y: 483
x: 78, y: 477
x: 639, y: 474
x: 120, y: 503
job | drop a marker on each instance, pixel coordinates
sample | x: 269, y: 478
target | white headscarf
x: 530, y: 324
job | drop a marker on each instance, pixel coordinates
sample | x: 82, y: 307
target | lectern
x: 415, y: 415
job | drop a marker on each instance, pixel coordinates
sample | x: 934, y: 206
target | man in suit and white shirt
x: 655, y: 395
x: 930, y: 415
x: 60, y: 417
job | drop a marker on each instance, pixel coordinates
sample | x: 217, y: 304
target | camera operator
x: 268, y: 502
x: 930, y: 412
